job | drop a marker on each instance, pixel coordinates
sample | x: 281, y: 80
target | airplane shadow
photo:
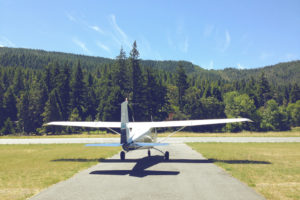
x: 139, y: 170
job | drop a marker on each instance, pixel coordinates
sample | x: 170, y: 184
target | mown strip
x: 27, y: 169
x: 271, y: 169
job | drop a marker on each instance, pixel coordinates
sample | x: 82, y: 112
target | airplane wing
x: 95, y: 124
x: 183, y: 123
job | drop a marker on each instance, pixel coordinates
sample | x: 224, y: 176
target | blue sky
x: 211, y: 34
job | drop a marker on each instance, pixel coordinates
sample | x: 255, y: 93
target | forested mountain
x: 38, y: 86
x: 279, y: 74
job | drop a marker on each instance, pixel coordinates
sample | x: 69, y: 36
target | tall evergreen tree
x: 182, y: 85
x: 25, y: 120
x: 78, y: 93
x: 120, y: 75
x: 264, y: 90
x: 138, y: 88
x: 52, y: 111
x: 64, y: 90
x: 10, y: 105
x: 2, y: 116
x: 295, y: 93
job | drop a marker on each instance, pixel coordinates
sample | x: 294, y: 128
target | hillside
x: 279, y: 74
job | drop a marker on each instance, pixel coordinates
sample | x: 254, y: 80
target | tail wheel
x: 122, y: 155
x: 149, y: 153
x: 167, y: 155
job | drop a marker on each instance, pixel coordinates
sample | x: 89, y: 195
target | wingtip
x: 249, y: 120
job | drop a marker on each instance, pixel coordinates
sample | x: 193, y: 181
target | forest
x: 37, y: 87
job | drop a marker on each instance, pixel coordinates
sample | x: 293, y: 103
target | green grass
x: 27, y: 169
x: 271, y: 169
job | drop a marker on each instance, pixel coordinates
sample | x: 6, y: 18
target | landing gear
x: 149, y: 153
x: 166, y: 155
x: 122, y: 155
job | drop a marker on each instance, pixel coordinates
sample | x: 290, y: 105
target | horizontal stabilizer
x: 104, y: 145
x: 150, y: 144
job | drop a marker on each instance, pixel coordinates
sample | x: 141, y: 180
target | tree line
x: 32, y: 96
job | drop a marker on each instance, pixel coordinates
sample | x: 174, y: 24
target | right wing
x: 95, y: 124
x: 183, y: 123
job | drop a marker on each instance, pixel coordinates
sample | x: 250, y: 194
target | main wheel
x: 122, y: 155
x: 149, y: 153
x: 167, y: 155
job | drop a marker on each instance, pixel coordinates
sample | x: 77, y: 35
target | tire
x: 149, y: 153
x: 167, y: 155
x: 122, y: 155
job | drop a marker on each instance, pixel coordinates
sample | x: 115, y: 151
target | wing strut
x: 171, y: 134
x: 116, y: 132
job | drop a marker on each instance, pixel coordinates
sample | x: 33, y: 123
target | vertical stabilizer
x: 124, y: 121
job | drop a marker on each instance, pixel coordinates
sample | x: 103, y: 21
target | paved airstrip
x: 187, y: 175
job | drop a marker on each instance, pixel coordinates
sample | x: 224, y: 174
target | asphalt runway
x: 187, y: 175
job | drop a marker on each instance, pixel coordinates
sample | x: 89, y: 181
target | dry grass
x: 27, y: 169
x: 280, y: 179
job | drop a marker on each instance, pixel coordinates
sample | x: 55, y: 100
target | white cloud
x: 97, y: 29
x: 81, y: 45
x: 104, y: 47
x: 239, y: 66
x: 265, y: 55
x: 185, y: 45
x: 122, y: 36
x: 227, y: 40
x: 208, y: 30
x: 290, y: 57
x: 211, y: 65
x: 5, y: 42
x: 70, y: 17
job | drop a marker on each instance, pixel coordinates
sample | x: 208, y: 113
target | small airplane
x: 140, y: 135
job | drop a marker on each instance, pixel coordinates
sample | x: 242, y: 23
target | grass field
x: 295, y: 132
x: 27, y: 169
x: 273, y: 170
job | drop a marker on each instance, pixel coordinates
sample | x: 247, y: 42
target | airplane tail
x: 124, y: 121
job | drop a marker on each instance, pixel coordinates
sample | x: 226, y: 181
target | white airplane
x: 139, y: 135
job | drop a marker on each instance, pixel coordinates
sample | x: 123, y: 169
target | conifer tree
x: 120, y: 73
x: 25, y: 120
x: 264, y: 90
x: 78, y: 93
x: 52, y: 111
x: 10, y: 105
x: 8, y: 127
x: 182, y: 85
x: 138, y: 88
x: 2, y: 116
x: 64, y: 90
x: 295, y: 93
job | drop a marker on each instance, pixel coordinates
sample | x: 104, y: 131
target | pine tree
x: 52, y: 111
x: 182, y: 85
x: 78, y: 93
x: 138, y: 88
x: 10, y: 105
x: 295, y: 93
x: 264, y: 90
x: 64, y: 90
x: 120, y: 73
x: 8, y: 128
x: 25, y: 121
x: 2, y: 116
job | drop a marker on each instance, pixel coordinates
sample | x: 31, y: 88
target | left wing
x: 183, y: 123
x: 95, y: 124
